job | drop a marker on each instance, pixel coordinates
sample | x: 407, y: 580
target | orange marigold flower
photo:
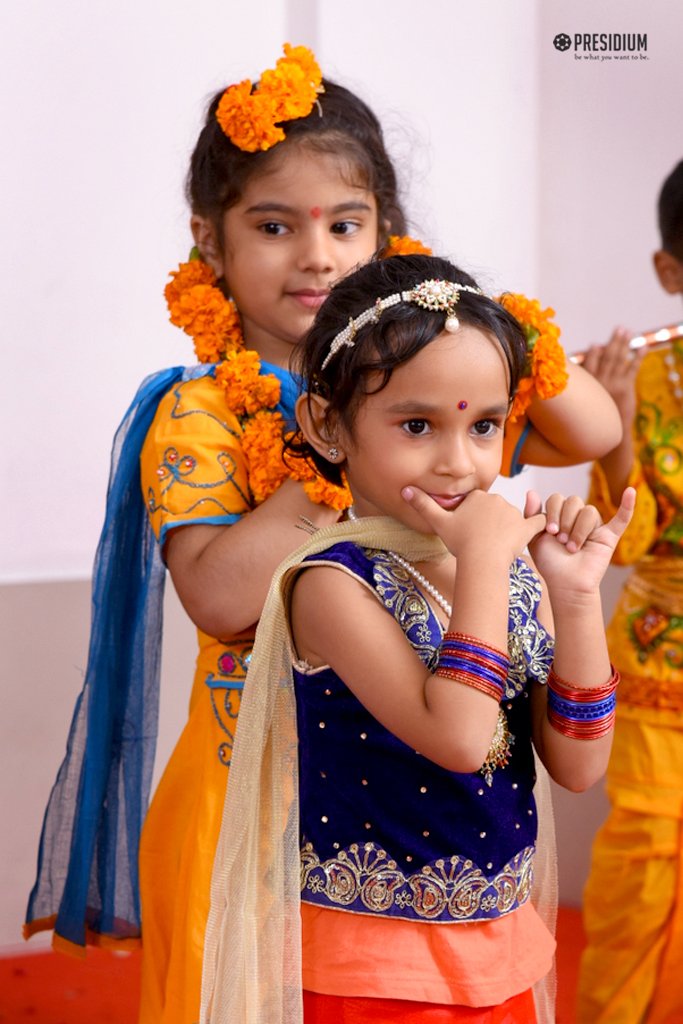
x: 262, y: 445
x: 319, y: 490
x: 549, y: 367
x: 209, y: 348
x: 322, y: 492
x: 249, y: 117
x: 196, y: 309
x: 187, y: 276
x: 246, y: 389
x: 262, y: 442
x: 404, y: 245
x: 205, y: 314
x: 288, y: 92
x: 546, y: 369
x: 305, y: 58
x: 522, y: 399
x: 293, y: 84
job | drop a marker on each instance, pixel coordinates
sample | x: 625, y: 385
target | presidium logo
x: 603, y: 45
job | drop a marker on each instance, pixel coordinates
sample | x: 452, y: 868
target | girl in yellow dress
x: 290, y: 187
x: 632, y: 968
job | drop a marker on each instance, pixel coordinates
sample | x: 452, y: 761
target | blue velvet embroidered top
x: 385, y: 830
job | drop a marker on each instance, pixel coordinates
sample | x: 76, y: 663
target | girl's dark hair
x: 340, y: 124
x: 670, y: 212
x: 399, y: 334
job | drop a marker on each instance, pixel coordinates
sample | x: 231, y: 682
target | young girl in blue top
x: 380, y: 824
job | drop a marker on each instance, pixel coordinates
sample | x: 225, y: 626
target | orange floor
x: 49, y: 988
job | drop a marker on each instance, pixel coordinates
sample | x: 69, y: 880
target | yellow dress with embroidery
x: 632, y: 968
x: 193, y: 470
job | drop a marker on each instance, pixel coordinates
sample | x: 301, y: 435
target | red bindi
x: 315, y: 212
x: 462, y: 405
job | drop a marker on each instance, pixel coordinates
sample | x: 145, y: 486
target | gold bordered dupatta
x: 252, y: 949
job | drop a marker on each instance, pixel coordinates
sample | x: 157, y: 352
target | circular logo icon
x: 562, y: 41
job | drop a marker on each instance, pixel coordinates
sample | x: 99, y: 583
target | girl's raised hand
x: 574, y: 550
x: 483, y: 525
x: 615, y: 365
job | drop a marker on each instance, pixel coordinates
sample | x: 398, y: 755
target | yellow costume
x: 192, y: 470
x: 632, y: 968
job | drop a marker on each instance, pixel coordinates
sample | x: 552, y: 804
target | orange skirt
x: 321, y: 1009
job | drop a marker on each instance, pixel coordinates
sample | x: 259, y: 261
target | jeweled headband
x: 434, y: 295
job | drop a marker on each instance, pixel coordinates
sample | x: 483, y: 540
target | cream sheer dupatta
x: 252, y: 949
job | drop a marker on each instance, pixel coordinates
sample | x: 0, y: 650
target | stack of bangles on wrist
x: 582, y: 714
x: 474, y: 663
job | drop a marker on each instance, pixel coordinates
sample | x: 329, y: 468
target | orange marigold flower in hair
x: 293, y: 85
x: 247, y: 118
x: 305, y: 58
x: 546, y: 373
x: 286, y: 89
x: 549, y: 367
x: 404, y: 245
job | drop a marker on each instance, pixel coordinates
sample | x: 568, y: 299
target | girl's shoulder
x: 194, y: 408
x: 347, y: 555
x: 196, y: 391
x: 526, y: 589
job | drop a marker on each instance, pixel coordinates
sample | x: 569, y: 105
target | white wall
x: 102, y: 104
x: 535, y: 171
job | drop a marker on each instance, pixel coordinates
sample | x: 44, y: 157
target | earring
x: 333, y: 453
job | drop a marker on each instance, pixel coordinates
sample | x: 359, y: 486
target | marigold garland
x: 251, y: 117
x: 246, y: 389
x: 546, y: 370
x: 197, y: 304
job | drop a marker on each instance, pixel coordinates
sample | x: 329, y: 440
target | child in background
x: 290, y: 187
x: 407, y: 668
x: 632, y: 966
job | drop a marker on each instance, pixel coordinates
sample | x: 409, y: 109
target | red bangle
x: 583, y: 693
x: 468, y: 639
x: 582, y: 713
x: 490, y: 689
x: 581, y: 732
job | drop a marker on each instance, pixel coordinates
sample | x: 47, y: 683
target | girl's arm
x: 222, y: 573
x: 572, y: 564
x: 580, y: 424
x: 336, y: 621
x: 615, y: 366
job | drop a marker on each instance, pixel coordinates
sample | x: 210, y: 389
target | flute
x: 660, y: 338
